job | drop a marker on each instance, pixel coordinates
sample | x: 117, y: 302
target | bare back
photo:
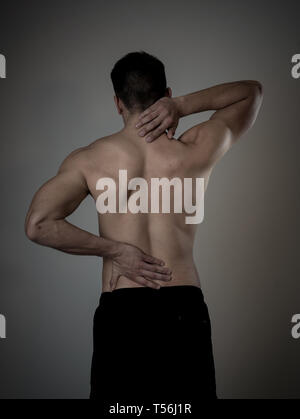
x: 164, y: 235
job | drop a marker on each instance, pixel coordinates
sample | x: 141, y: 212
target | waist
x: 183, y: 273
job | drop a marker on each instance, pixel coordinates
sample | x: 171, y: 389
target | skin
x: 143, y: 250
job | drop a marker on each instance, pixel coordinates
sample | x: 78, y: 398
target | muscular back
x: 149, y: 236
x: 164, y: 235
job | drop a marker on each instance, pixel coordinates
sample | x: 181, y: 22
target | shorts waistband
x: 140, y: 291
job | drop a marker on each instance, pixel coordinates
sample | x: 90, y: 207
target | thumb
x: 114, y: 279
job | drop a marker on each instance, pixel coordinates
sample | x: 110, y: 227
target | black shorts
x: 152, y: 346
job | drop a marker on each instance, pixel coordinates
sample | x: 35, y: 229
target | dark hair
x: 139, y: 80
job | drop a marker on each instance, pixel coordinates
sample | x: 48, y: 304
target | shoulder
x: 83, y: 156
x: 75, y: 160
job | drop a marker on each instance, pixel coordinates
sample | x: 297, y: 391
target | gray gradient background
x: 58, y: 96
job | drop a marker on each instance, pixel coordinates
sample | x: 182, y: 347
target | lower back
x: 156, y: 236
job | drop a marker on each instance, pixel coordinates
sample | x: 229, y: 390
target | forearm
x: 66, y: 237
x: 216, y: 97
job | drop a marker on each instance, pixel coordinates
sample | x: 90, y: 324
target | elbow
x: 31, y: 232
x: 33, y: 227
x: 259, y: 90
x: 256, y: 87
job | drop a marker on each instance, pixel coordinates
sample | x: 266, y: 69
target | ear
x: 117, y: 103
x: 169, y: 92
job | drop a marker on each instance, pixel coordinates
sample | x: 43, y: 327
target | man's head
x: 139, y: 80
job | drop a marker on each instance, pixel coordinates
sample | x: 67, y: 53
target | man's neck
x: 130, y: 126
x: 131, y: 121
x: 130, y: 130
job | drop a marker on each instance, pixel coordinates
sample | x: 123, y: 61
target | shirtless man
x: 151, y: 329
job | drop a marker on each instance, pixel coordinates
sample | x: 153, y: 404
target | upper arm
x: 240, y: 116
x: 207, y: 142
x: 62, y: 194
x: 210, y: 140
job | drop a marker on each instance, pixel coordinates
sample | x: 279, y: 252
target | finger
x: 150, y: 284
x: 155, y: 134
x: 155, y: 268
x: 147, y: 118
x: 155, y: 276
x: 152, y: 259
x: 148, y: 111
x: 151, y: 126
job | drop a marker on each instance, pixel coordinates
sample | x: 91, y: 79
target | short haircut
x: 139, y: 80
